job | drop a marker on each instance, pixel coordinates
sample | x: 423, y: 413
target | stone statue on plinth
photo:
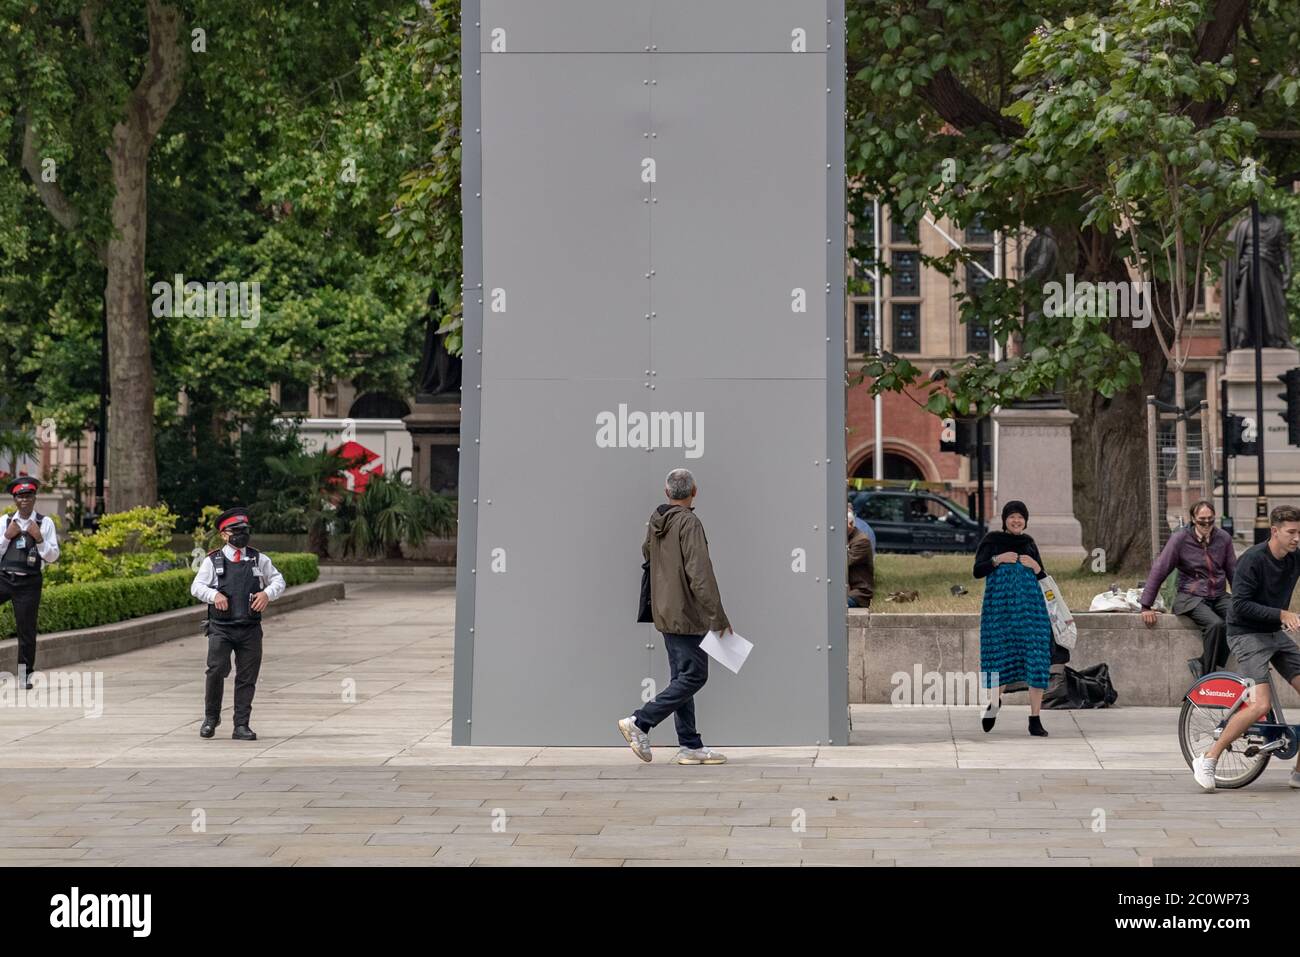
x: 1041, y: 265
x: 1274, y: 274
x: 438, y: 377
x: 1042, y: 257
x: 434, y: 422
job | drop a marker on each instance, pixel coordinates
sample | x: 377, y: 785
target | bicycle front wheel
x: 1205, y: 709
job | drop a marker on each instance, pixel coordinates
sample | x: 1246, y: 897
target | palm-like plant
x: 300, y: 495
x: 15, y: 444
x: 391, y: 513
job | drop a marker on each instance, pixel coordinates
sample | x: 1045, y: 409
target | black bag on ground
x: 643, y: 612
x: 1089, y: 688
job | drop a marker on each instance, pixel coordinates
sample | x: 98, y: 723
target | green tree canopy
x: 1135, y: 129
x: 275, y: 164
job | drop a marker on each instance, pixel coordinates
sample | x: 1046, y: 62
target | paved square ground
x: 354, y: 765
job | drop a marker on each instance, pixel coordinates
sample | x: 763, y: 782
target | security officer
x: 237, y: 583
x: 28, y: 541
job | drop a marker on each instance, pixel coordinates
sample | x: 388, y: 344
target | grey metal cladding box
x: 739, y: 222
x: 739, y: 26
x: 565, y: 26
x: 662, y: 250
x: 566, y: 237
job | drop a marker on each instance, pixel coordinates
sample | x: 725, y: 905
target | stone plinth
x: 1034, y: 466
x: 435, y: 437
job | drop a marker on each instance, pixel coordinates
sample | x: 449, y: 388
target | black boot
x: 1036, y: 727
x: 991, y: 715
x: 243, y: 733
x: 209, y: 727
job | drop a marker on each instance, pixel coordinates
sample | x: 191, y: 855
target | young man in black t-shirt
x: 1261, y: 629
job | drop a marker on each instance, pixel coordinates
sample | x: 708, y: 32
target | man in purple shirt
x: 1205, y: 560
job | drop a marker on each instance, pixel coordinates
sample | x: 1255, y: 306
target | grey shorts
x: 1254, y: 652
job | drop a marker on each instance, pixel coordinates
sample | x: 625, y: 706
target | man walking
x: 28, y: 542
x: 1260, y: 629
x: 685, y: 604
x: 1206, y: 562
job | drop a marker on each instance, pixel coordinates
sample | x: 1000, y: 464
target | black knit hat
x: 1013, y: 507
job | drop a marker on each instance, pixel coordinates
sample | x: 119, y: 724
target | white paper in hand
x: 729, y: 650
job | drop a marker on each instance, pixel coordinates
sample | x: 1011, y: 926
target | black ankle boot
x: 1036, y: 727
x: 991, y: 715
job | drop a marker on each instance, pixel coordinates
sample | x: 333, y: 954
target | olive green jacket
x: 684, y: 595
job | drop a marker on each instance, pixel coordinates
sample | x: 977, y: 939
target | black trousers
x: 1209, y: 615
x: 245, y: 642
x: 26, y: 596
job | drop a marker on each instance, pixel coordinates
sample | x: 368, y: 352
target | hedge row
x: 87, y: 604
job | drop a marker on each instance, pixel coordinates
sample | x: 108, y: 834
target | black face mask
x: 239, y: 537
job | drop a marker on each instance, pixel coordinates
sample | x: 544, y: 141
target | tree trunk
x: 133, y: 467
x: 131, y: 462
x: 318, y: 540
x: 1180, y: 431
x: 1111, y: 489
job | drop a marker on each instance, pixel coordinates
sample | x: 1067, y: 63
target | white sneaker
x: 638, y: 739
x: 1295, y: 779
x: 699, y: 756
x: 1203, y: 771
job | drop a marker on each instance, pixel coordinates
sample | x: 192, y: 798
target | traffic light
x: 1234, y: 441
x: 1292, y: 399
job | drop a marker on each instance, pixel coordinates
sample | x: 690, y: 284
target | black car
x: 916, y: 522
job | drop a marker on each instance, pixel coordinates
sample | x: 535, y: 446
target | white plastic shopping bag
x: 1064, y: 629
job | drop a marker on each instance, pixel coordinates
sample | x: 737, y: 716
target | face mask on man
x: 239, y: 536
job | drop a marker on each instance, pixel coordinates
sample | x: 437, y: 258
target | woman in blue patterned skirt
x: 1015, y: 632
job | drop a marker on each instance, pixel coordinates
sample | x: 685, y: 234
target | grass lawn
x: 933, y: 577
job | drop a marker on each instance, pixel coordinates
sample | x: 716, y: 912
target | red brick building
x: 921, y: 322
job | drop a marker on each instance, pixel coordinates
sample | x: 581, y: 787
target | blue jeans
x: 689, y: 669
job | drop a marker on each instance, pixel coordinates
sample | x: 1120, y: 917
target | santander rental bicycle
x: 1208, y: 706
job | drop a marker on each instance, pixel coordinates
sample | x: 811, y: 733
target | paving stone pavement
x: 354, y: 766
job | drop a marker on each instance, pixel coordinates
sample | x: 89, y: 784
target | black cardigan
x: 995, y: 543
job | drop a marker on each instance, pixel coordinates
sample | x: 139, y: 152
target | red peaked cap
x: 23, y: 483
x: 232, y: 516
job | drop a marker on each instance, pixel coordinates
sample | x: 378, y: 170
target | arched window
x: 896, y: 467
